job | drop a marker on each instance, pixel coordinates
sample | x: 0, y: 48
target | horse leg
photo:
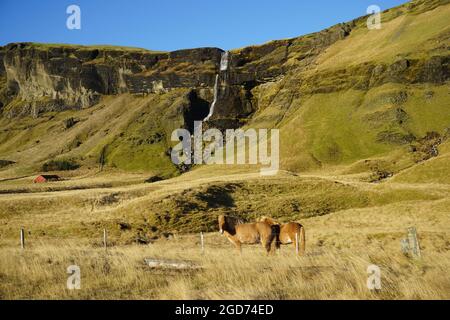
x: 238, y: 246
x: 277, y: 238
x: 267, y: 243
x: 264, y: 245
x: 277, y: 246
x: 297, y: 241
x: 236, y: 243
x: 262, y: 242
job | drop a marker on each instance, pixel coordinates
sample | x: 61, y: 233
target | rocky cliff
x: 50, y: 77
x: 75, y: 77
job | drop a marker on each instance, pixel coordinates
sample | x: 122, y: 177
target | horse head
x: 222, y: 223
x: 228, y: 224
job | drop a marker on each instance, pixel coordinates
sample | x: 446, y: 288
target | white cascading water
x: 216, y: 94
x: 224, y: 61
x: 223, y: 67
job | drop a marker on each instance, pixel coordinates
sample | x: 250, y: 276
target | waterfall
x: 224, y: 61
x: 216, y: 94
x: 223, y: 67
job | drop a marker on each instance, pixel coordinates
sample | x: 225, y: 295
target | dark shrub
x: 4, y: 163
x: 154, y: 179
x: 69, y: 123
x: 60, y: 165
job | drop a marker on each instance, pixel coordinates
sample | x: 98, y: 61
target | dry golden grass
x: 65, y: 229
x: 324, y: 273
x: 407, y: 34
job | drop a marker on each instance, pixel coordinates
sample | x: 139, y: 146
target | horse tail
x: 276, y: 235
x: 302, y: 240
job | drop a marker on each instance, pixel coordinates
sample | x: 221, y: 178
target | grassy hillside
x: 412, y: 34
x: 335, y: 114
x: 343, y: 127
x: 132, y: 132
x: 436, y: 170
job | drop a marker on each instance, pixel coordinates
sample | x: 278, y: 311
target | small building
x: 46, y: 178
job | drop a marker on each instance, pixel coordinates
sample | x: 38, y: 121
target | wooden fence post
x: 105, y: 240
x: 202, y: 242
x: 22, y: 238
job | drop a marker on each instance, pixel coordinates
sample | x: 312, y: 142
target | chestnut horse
x: 287, y: 233
x: 240, y: 233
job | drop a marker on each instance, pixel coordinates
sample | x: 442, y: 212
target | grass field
x: 324, y: 273
x: 62, y: 229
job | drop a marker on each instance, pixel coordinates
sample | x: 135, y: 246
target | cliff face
x: 379, y: 77
x: 3, y: 87
x: 51, y: 78
x: 75, y: 77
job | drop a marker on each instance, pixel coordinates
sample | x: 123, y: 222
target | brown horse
x: 288, y: 232
x: 240, y: 233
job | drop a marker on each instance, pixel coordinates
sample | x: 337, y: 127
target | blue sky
x: 175, y: 24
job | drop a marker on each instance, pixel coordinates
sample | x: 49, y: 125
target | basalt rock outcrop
x: 75, y: 77
x: 44, y: 78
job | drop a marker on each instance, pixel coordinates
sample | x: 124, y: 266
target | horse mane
x: 234, y: 220
x: 269, y: 220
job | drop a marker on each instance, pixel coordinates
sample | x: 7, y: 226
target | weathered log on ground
x: 170, y: 264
